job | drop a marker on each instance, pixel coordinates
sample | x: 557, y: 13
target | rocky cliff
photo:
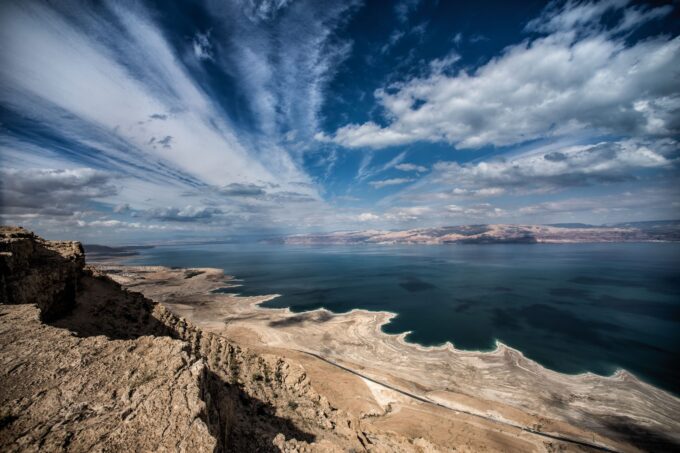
x: 88, y: 366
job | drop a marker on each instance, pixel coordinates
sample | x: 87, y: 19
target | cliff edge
x: 89, y: 366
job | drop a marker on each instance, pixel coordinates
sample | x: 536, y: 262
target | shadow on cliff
x: 639, y: 436
x: 102, y: 307
x: 240, y: 422
x: 38, y: 275
x: 625, y: 429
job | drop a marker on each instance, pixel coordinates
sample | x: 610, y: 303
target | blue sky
x: 135, y: 121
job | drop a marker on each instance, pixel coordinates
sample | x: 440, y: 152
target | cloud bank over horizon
x: 133, y: 121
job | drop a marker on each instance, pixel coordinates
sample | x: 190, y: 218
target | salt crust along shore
x: 387, y: 316
x: 501, y: 384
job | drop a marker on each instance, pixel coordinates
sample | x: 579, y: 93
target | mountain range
x: 650, y: 231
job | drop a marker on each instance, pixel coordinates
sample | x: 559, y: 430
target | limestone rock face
x: 64, y: 389
x: 94, y: 394
x: 88, y: 366
x: 37, y: 272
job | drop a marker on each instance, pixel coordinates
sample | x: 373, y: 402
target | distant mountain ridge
x: 105, y: 251
x: 651, y: 231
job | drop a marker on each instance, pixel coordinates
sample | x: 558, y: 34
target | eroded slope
x: 88, y: 366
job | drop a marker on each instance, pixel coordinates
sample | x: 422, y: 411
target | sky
x: 138, y: 121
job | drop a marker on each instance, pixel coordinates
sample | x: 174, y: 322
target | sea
x: 571, y: 307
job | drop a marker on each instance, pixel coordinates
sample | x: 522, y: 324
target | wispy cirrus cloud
x: 202, y: 46
x: 217, y: 117
x: 586, y: 16
x: 243, y: 190
x: 282, y: 55
x: 404, y: 8
x: 119, y: 96
x: 390, y: 182
x: 411, y: 167
x: 110, y: 92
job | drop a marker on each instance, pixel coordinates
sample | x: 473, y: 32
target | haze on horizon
x: 126, y: 121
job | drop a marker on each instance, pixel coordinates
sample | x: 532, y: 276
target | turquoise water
x: 571, y: 307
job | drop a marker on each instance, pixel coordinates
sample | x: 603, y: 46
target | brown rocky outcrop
x: 86, y: 365
x: 38, y: 272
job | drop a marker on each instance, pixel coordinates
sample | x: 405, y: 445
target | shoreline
x: 501, y: 383
x: 448, y: 346
x: 618, y: 374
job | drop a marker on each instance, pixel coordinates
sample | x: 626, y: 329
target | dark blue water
x: 573, y: 308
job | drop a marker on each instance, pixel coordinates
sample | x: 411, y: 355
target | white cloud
x: 265, y: 10
x: 125, y: 98
x: 411, y: 167
x: 408, y: 213
x: 553, y: 85
x: 282, y: 55
x: 121, y: 225
x: 242, y: 190
x: 641, y: 204
x: 546, y: 171
x: 121, y: 97
x: 392, y: 40
x: 404, y: 8
x: 390, y: 182
x: 367, y: 217
x: 122, y: 208
x: 365, y: 135
x: 477, y: 211
x: 587, y: 15
x: 483, y: 192
x: 441, y: 65
x: 365, y: 170
x: 53, y: 191
x: 202, y: 46
x: 187, y: 214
